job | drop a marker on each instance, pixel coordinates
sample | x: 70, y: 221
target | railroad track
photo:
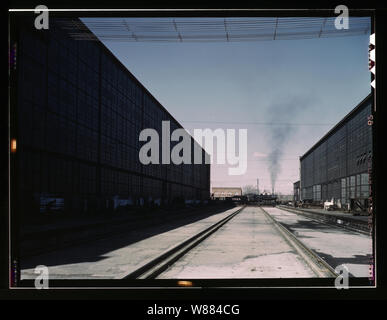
x: 318, y: 265
x: 339, y: 222
x: 158, y: 265
x: 57, y: 239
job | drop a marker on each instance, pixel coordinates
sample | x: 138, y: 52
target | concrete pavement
x: 334, y: 244
x: 114, y: 257
x: 248, y: 246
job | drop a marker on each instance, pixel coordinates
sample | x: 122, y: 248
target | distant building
x: 296, y: 191
x: 225, y: 192
x: 338, y: 165
x: 284, y: 197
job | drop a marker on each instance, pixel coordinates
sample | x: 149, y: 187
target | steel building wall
x: 337, y: 166
x: 80, y: 113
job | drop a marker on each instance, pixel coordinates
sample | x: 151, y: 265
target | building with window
x: 77, y: 113
x: 225, y: 192
x: 337, y: 166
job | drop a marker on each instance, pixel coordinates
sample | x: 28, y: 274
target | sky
x: 286, y: 93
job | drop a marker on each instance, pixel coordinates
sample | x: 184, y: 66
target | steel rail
x: 159, y: 264
x: 319, y: 266
x: 346, y: 223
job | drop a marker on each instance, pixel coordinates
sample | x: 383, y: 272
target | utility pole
x: 257, y: 186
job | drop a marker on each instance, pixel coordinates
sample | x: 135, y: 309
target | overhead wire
x: 212, y: 29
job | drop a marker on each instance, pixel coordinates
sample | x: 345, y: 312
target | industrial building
x: 338, y: 166
x: 225, y: 192
x: 296, y: 191
x: 77, y: 115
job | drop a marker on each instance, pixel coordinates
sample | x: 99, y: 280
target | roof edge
x: 337, y: 125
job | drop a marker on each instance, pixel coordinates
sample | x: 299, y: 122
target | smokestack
x: 272, y: 190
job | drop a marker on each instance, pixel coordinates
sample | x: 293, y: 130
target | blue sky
x: 313, y: 83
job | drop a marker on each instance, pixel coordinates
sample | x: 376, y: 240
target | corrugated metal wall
x: 338, y: 166
x: 80, y: 113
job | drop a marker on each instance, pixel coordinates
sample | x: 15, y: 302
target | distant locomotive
x: 263, y: 199
x: 220, y: 194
